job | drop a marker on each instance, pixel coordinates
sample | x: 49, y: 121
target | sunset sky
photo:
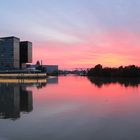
x: 76, y: 33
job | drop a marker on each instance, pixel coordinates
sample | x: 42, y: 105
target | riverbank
x: 21, y: 81
x: 23, y: 76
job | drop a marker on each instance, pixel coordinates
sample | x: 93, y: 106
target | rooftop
x: 9, y: 37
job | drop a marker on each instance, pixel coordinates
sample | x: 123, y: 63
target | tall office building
x: 14, y: 54
x: 25, y: 53
x: 9, y: 53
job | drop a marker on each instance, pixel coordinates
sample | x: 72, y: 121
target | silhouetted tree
x: 38, y: 63
x: 128, y: 71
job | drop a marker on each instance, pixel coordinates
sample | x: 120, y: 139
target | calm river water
x: 71, y: 108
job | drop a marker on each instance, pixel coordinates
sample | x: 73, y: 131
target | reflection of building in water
x: 52, y: 80
x: 26, y: 100
x: 14, y: 99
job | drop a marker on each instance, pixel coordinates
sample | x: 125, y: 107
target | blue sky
x: 64, y: 15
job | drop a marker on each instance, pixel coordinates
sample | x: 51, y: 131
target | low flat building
x: 51, y: 69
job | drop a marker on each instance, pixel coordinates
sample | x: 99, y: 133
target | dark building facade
x: 9, y: 53
x: 25, y: 53
x: 51, y: 69
x: 14, y: 54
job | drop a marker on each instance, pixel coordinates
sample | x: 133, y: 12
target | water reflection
x: 126, y: 82
x: 51, y: 80
x: 73, y: 109
x: 15, y: 98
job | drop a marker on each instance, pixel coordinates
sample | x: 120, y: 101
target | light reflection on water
x: 71, y: 108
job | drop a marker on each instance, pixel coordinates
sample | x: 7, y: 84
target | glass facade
x: 9, y: 53
x: 14, y: 54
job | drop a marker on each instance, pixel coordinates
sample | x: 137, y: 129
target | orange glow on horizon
x: 112, y: 49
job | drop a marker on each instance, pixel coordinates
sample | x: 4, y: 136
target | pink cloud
x: 110, y: 49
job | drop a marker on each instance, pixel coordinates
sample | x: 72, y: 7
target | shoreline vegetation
x: 131, y: 71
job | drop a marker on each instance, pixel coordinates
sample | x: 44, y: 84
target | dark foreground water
x: 71, y: 108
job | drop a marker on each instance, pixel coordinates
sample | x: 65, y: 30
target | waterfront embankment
x: 23, y: 75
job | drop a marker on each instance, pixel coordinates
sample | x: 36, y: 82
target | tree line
x: 127, y: 71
